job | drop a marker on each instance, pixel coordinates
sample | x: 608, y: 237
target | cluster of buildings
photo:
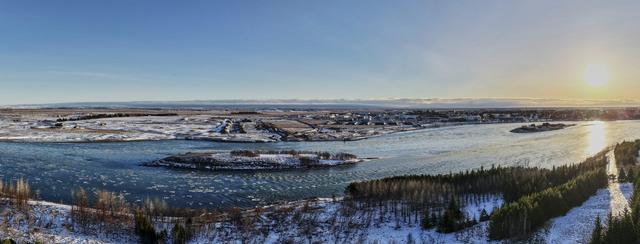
x: 422, y: 117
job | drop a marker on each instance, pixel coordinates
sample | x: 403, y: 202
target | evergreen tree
x: 609, y: 235
x: 452, y: 218
x: 596, y: 235
x: 484, y: 216
x: 622, y: 177
x: 631, y: 176
x: 620, y: 229
x: 179, y: 234
x: 145, y: 229
x: 410, y: 239
x: 427, y: 222
x: 454, y: 209
x: 435, y: 219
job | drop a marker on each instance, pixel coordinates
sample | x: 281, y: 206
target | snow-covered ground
x: 198, y: 127
x: 329, y: 224
x: 477, y: 234
x: 577, y: 224
x: 52, y: 223
x: 43, y: 128
x: 321, y: 221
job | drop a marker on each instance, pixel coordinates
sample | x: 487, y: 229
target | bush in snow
x: 180, y: 234
x: 145, y: 229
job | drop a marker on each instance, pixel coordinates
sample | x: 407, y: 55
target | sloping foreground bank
x: 453, y: 208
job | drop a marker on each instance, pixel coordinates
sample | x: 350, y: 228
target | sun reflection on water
x: 596, y: 137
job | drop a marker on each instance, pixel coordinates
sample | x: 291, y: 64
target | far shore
x: 405, y: 130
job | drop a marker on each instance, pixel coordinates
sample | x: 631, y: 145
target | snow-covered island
x: 255, y: 160
x: 532, y: 128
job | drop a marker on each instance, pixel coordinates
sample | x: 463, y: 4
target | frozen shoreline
x: 155, y: 128
x: 200, y: 126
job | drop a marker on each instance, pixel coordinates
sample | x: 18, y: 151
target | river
x: 54, y: 170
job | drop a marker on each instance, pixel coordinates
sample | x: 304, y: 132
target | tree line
x: 626, y: 152
x: 512, y: 182
x: 113, y: 115
x: 522, y: 217
x: 519, y: 187
x: 623, y: 228
x: 18, y: 192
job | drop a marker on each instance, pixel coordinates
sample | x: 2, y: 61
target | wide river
x: 54, y: 170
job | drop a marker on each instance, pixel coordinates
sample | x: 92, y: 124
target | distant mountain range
x: 431, y: 103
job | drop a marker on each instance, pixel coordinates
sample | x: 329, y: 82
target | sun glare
x: 596, y: 75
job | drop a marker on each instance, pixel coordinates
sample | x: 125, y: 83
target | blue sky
x: 67, y: 51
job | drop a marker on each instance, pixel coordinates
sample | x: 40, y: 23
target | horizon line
x: 452, y: 103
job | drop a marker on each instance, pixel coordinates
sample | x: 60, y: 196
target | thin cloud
x: 102, y: 75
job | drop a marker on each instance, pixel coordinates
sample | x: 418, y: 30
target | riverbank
x: 222, y: 125
x: 226, y: 125
x: 47, y: 222
x: 312, y: 220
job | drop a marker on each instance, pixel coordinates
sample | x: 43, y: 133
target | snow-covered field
x: 43, y: 128
x: 197, y: 127
x: 577, y: 224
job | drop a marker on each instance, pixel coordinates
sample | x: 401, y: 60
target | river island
x: 533, y: 128
x: 255, y: 160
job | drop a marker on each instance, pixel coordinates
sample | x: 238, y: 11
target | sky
x: 84, y: 51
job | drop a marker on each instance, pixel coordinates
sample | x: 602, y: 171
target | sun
x: 596, y: 75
